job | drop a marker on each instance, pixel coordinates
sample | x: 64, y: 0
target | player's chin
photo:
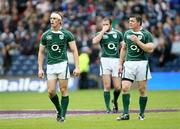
x: 52, y: 24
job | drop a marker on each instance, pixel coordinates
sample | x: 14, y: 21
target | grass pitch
x: 86, y: 99
x: 91, y: 100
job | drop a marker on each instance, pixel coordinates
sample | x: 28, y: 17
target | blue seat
x: 94, y: 69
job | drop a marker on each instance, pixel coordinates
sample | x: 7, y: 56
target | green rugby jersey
x: 110, y: 43
x: 134, y: 52
x: 56, y: 43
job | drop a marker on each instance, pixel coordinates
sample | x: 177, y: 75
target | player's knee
x: 125, y: 89
x: 117, y: 88
x: 63, y: 89
x: 106, y: 87
x: 142, y: 91
x: 51, y: 92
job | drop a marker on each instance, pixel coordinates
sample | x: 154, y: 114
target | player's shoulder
x: 145, y: 31
x: 128, y: 31
x: 46, y: 32
x: 117, y: 31
x: 64, y: 30
x: 67, y: 33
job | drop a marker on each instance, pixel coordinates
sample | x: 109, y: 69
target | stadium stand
x: 22, y: 23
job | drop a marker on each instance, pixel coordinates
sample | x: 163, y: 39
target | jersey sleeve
x: 124, y: 37
x: 149, y: 38
x: 121, y: 36
x: 43, y: 40
x: 70, y: 37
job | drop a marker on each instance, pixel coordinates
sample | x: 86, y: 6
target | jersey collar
x: 57, y: 32
x: 111, y: 32
x: 138, y: 32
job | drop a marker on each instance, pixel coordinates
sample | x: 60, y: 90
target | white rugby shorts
x: 109, y: 66
x: 58, y: 71
x: 136, y: 70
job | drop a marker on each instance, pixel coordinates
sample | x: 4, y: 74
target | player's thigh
x: 116, y: 82
x: 126, y: 85
x: 63, y: 84
x: 142, y: 85
x: 106, y: 80
x: 51, y: 84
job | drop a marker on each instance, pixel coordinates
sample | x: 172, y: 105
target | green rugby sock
x: 126, y: 101
x: 64, y: 103
x: 142, y: 104
x: 56, y: 103
x: 107, y: 99
x: 116, y: 95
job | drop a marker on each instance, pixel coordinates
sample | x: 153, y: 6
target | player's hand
x: 76, y: 71
x: 41, y: 74
x: 134, y: 38
x: 105, y: 28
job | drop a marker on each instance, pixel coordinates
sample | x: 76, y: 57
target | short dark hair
x: 138, y: 18
x: 108, y: 19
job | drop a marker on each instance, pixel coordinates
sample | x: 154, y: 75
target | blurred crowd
x: 22, y: 23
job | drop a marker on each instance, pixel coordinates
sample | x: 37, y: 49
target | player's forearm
x: 98, y: 38
x: 40, y: 60
x: 149, y: 47
x: 76, y: 58
x: 74, y: 50
x: 122, y: 55
x: 76, y: 61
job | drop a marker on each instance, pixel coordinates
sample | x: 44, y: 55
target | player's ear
x: 61, y: 22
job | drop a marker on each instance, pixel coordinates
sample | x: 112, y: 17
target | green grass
x: 154, y: 121
x: 92, y: 99
x: 86, y: 99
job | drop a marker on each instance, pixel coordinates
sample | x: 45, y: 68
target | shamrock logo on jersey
x: 49, y: 37
x: 105, y: 37
x: 115, y: 36
x: 128, y: 36
x: 61, y: 37
x: 139, y: 37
